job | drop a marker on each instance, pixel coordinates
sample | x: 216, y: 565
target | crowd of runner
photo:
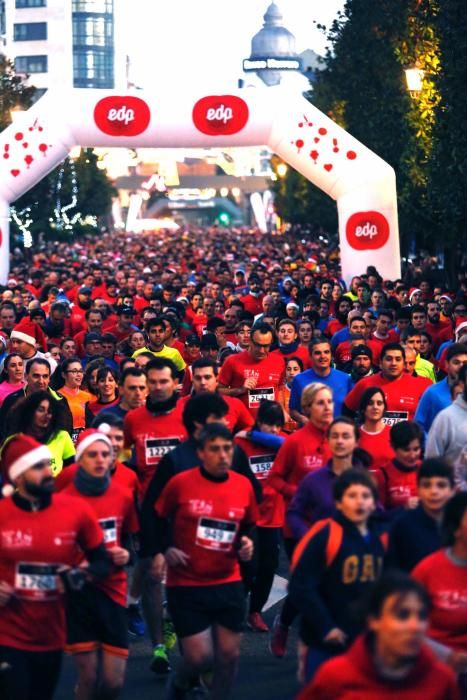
x: 176, y: 409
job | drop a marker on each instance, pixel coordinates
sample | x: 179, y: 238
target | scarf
x: 91, y: 485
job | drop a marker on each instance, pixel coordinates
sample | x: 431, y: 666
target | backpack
x: 333, y: 543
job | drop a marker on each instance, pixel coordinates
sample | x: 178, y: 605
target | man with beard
x: 253, y: 301
x: 434, y: 326
x: 361, y: 364
x: 42, y: 537
x: 343, y: 307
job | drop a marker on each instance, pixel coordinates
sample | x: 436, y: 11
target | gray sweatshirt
x: 448, y: 434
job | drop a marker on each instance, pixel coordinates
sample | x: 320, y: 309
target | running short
x: 95, y: 621
x: 194, y: 609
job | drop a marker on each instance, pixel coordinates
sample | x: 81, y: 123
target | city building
x: 66, y: 43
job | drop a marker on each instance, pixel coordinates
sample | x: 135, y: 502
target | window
x: 100, y: 6
x: 92, y: 31
x: 31, y: 64
x: 93, y: 68
x: 30, y: 31
x: 30, y: 3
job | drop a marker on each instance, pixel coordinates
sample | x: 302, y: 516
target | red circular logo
x: 122, y: 115
x: 367, y: 230
x: 218, y: 115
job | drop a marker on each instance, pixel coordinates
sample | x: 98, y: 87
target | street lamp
x: 15, y: 113
x: 281, y: 170
x: 414, y: 76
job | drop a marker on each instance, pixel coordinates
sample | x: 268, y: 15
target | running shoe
x: 169, y: 637
x: 136, y: 624
x: 278, y: 641
x: 256, y: 623
x: 160, y: 661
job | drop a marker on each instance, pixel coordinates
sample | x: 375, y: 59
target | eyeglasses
x: 75, y: 371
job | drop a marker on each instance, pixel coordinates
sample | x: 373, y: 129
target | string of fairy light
x: 62, y: 221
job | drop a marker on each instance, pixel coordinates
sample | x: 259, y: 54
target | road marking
x: 278, y: 591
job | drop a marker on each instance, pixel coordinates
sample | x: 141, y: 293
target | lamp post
x: 414, y: 76
x: 281, y: 170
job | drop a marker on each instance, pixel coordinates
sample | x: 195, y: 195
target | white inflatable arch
x: 362, y: 184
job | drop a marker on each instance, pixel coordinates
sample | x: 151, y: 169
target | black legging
x: 288, y: 611
x: 265, y: 563
x: 28, y: 675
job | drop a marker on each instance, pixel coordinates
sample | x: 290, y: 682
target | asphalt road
x: 261, y: 676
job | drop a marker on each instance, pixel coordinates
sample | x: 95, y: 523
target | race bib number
x: 109, y: 528
x: 255, y: 396
x: 156, y: 448
x: 393, y: 417
x: 261, y: 465
x: 36, y: 582
x: 215, y: 534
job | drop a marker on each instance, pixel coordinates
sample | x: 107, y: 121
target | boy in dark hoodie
x: 333, y: 567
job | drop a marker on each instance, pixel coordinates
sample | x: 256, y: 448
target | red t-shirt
x: 271, y: 508
x: 377, y: 445
x: 446, y: 583
x: 268, y: 374
x: 395, y: 485
x: 206, y: 518
x: 116, y: 513
x: 300, y: 352
x: 402, y: 396
x: 334, y: 326
x: 253, y: 304
x: 153, y: 436
x: 238, y: 416
x: 303, y: 452
x: 33, y: 546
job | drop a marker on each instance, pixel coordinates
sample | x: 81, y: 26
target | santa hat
x: 87, y: 437
x: 29, y: 332
x: 461, y: 326
x: 19, y: 454
x: 413, y: 291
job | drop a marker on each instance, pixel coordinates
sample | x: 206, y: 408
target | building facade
x: 65, y: 43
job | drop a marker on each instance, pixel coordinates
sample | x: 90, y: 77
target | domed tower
x: 274, y: 41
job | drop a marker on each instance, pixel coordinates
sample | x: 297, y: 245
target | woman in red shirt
x: 374, y: 433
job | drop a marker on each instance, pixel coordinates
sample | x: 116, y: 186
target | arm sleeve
x: 424, y: 414
x: 438, y: 437
x: 267, y: 439
x: 244, y: 418
x: 352, y: 400
x: 305, y: 584
x: 295, y: 396
x: 277, y: 478
x: 300, y: 506
x: 68, y: 448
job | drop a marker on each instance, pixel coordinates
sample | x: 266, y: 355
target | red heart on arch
x: 15, y: 172
x: 328, y: 167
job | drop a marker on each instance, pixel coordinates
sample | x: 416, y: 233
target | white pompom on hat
x: 87, y: 437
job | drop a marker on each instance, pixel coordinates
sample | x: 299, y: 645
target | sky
x: 182, y: 41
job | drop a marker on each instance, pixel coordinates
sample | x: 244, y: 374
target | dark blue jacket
x: 327, y: 596
x: 412, y: 537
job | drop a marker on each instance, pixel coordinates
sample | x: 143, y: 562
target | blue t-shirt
x: 433, y: 400
x: 339, y: 382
